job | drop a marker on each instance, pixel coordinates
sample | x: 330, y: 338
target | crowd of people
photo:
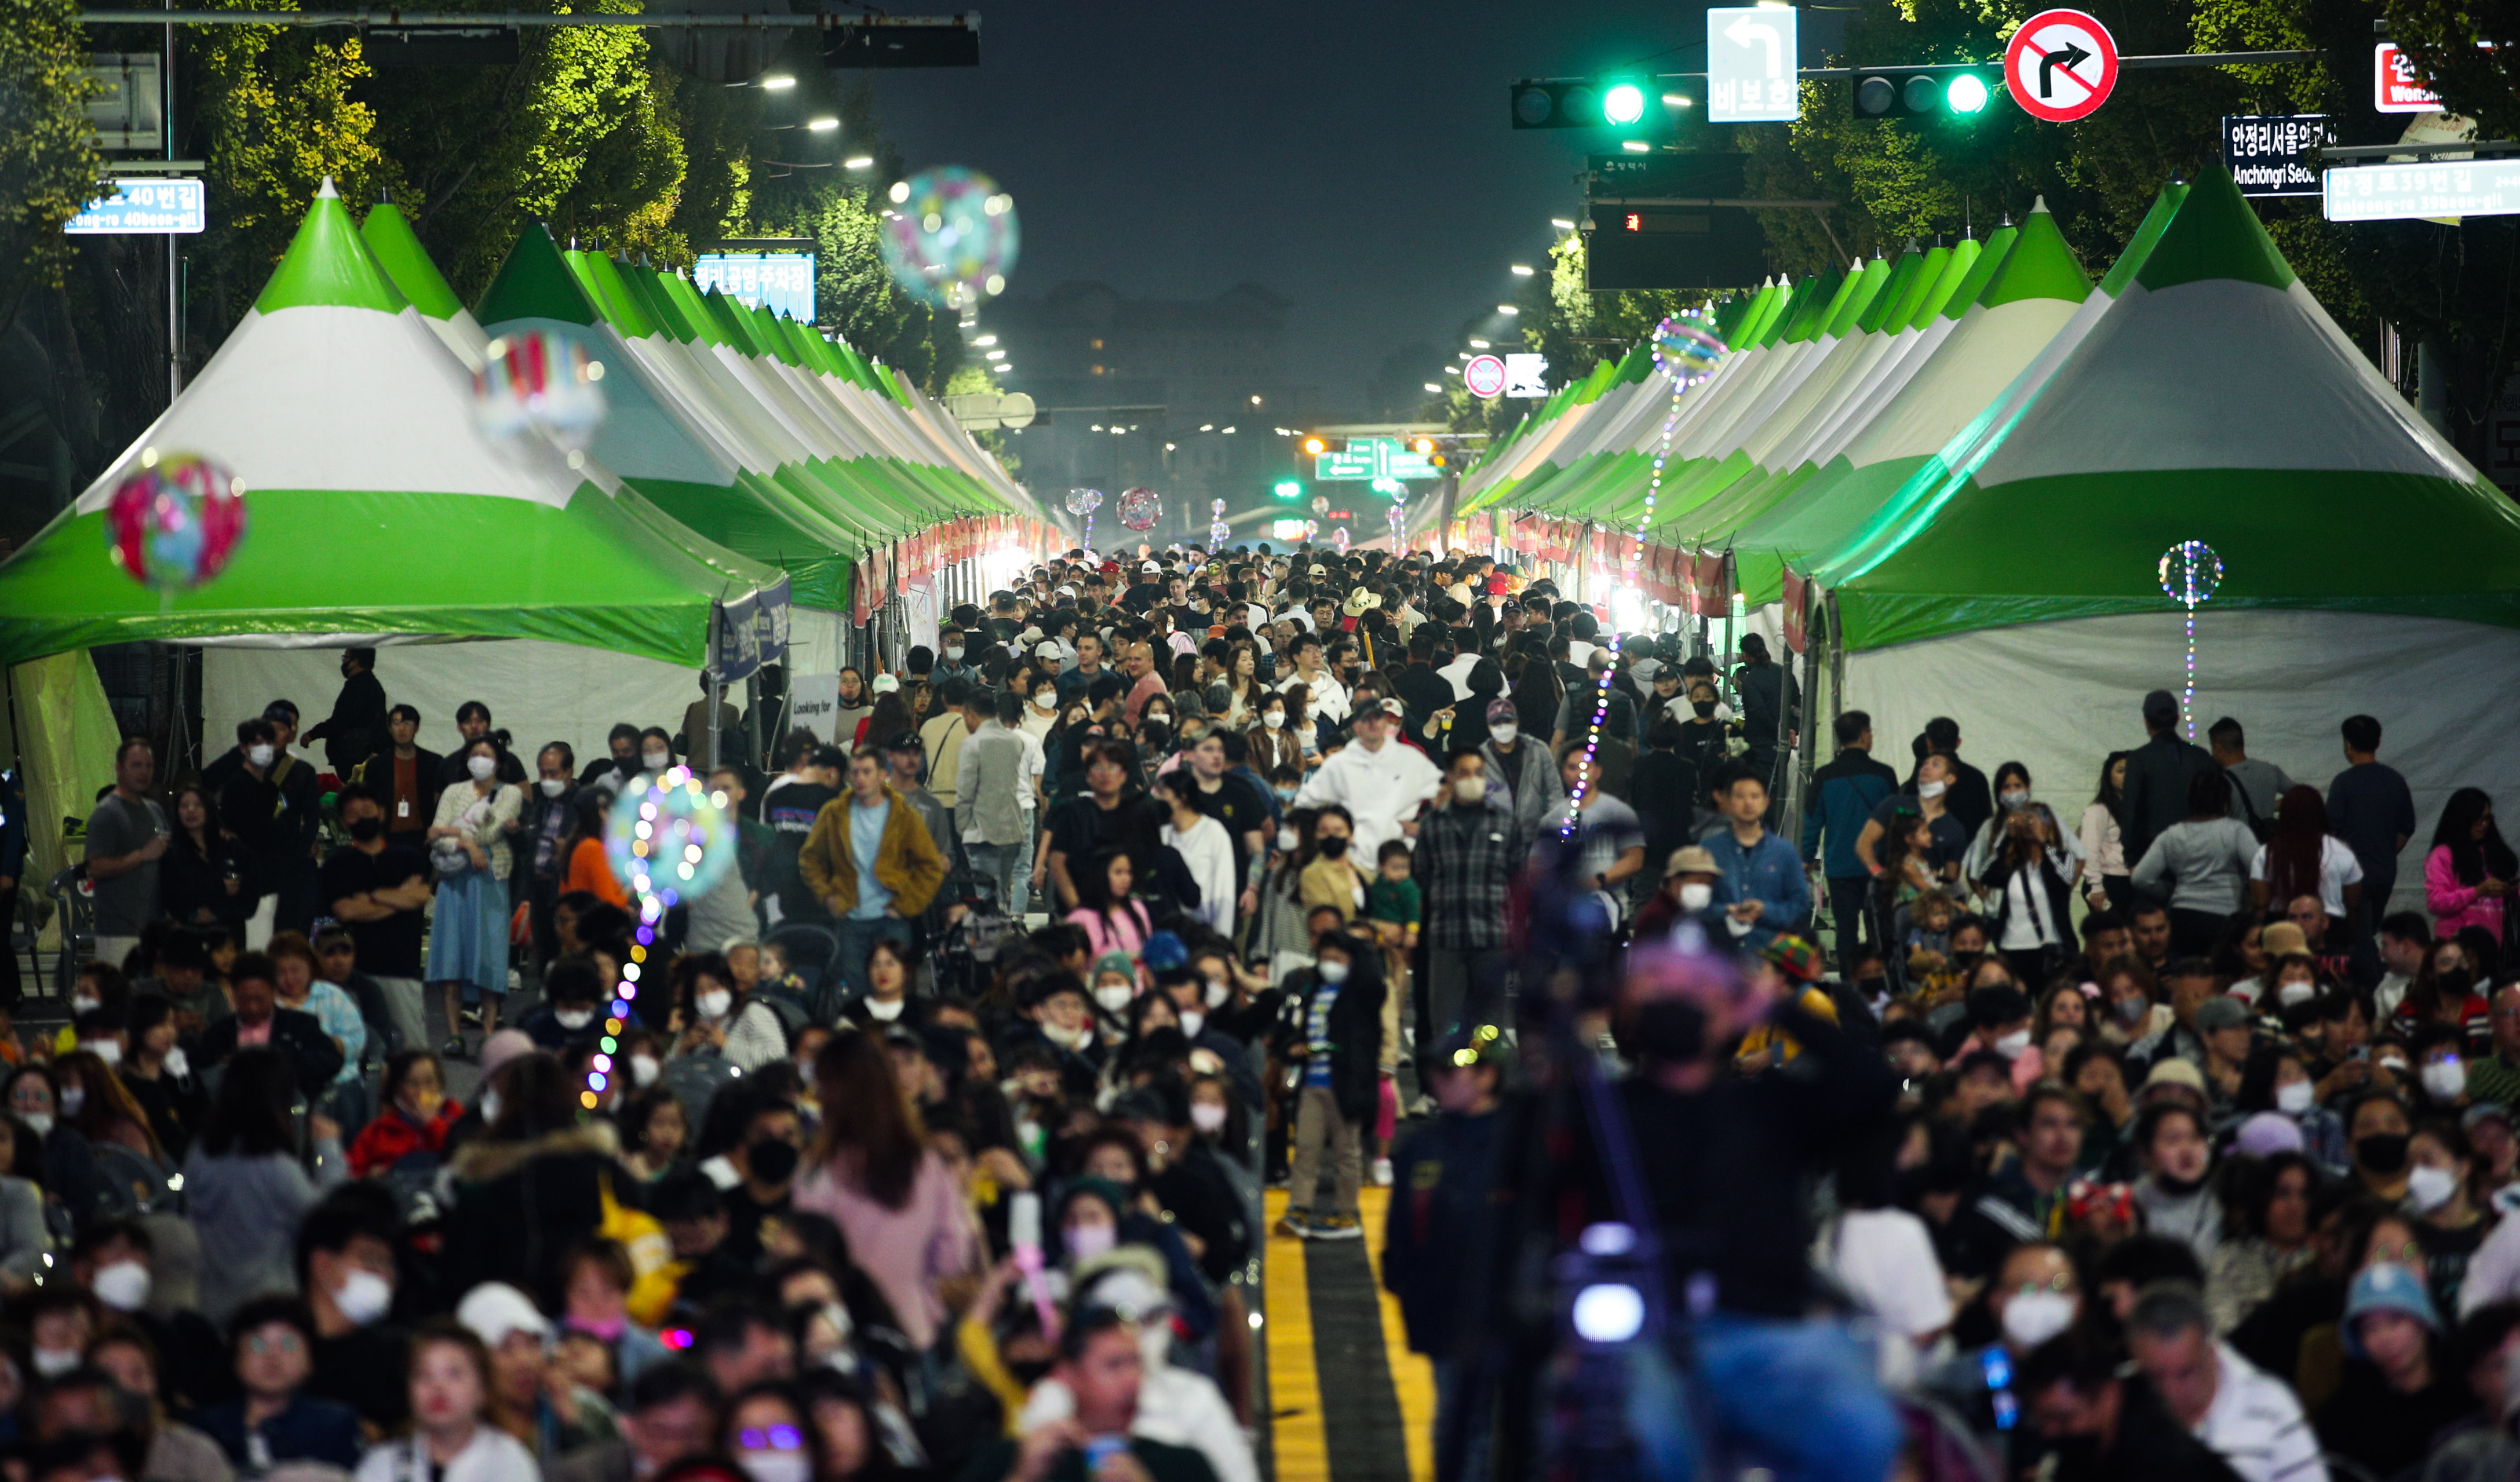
x: 1960, y: 1128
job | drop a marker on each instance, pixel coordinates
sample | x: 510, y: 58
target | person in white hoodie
x: 1177, y: 1406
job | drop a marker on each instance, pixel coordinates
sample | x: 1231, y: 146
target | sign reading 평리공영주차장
x: 2268, y: 154
x: 781, y: 282
x: 154, y: 207
x: 2413, y: 192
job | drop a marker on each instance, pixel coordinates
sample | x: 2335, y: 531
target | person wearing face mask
x: 1687, y: 895
x: 2033, y: 1296
x: 456, y: 1435
x: 1465, y: 862
x: 718, y: 1020
x: 356, y: 727
x: 573, y: 995
x: 1331, y: 1028
x: 416, y: 1117
x: 468, y: 944
x: 2440, y: 1196
x: 263, y: 815
x: 549, y: 808
x: 347, y: 1254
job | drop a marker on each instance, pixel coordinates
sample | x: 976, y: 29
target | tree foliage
x: 48, y: 165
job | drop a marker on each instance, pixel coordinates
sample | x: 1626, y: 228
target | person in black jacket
x: 2157, y: 775
x: 402, y: 775
x: 356, y: 729
x: 1331, y: 1030
x: 2102, y: 1421
x: 253, y: 988
x: 1434, y: 1235
x: 268, y: 803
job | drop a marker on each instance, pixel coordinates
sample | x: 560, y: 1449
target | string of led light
x: 1686, y: 348
x: 2190, y: 572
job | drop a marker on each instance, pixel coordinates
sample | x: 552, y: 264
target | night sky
x: 1355, y: 158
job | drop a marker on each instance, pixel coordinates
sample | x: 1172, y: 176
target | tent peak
x: 325, y: 192
x: 2039, y: 205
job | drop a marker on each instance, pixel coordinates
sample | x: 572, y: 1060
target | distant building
x: 1163, y: 369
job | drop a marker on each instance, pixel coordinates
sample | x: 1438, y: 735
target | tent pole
x: 716, y: 627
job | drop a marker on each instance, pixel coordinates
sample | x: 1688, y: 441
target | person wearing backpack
x: 2256, y: 786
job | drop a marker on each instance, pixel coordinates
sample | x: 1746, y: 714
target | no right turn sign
x: 2061, y: 66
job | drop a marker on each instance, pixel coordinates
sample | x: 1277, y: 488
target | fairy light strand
x: 2190, y: 572
x: 1686, y: 348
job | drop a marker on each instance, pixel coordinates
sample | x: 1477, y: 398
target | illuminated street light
x: 1523, y: 270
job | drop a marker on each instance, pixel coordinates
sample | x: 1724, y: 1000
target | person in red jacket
x: 417, y: 1114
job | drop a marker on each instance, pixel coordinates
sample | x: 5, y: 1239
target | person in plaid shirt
x: 1466, y: 859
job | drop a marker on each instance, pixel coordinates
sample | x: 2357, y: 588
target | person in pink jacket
x: 2468, y: 875
x: 907, y: 1222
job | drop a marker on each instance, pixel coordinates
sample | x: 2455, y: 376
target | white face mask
x: 2011, y: 1045
x: 1086, y: 1241
x: 74, y: 1099
x: 122, y: 1285
x: 2443, y: 1081
x: 52, y: 1362
x: 1696, y: 897
x: 657, y: 761
x: 2428, y: 1189
x: 1287, y: 838
x: 714, y: 1002
x: 1932, y: 789
x: 41, y: 1123
x: 1067, y: 1039
x: 574, y: 1018
x: 176, y: 1064
x: 2032, y: 1318
x: 260, y: 756
x: 489, y: 1105
x: 107, y: 1051
x: 2016, y: 797
x: 1113, y: 998
x: 1333, y: 972
x: 1191, y: 1022
x: 775, y: 1465
x: 81, y: 1003
x: 1272, y: 719
x: 1470, y: 791
x: 483, y: 768
x: 363, y: 1297
x: 1505, y: 731
x: 953, y: 654
x: 553, y: 786
x: 884, y: 1011
x: 644, y: 1071
x: 1217, y: 994
x: 2292, y: 994
x: 2294, y: 1098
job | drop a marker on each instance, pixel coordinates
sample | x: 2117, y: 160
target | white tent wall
x: 537, y: 691
x: 2058, y: 696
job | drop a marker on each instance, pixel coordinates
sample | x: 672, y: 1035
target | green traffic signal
x: 1624, y: 103
x: 1288, y: 488
x: 1966, y: 95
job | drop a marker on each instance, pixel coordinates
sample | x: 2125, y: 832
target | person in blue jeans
x: 872, y: 863
x: 1760, y: 888
x: 1844, y: 794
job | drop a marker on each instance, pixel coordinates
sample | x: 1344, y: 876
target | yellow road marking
x: 1297, y: 1440
x: 1413, y: 1376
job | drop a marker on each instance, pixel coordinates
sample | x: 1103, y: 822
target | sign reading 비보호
x: 1366, y: 459
x: 2414, y: 192
x: 2061, y: 66
x: 1526, y: 376
x: 154, y: 207
x: 2396, y: 87
x: 781, y: 282
x: 1752, y: 60
x: 2268, y: 154
x: 1485, y: 377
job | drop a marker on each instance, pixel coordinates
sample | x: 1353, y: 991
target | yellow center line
x: 1412, y: 1375
x: 1297, y: 1436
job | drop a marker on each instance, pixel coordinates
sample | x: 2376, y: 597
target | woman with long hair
x: 2304, y: 858
x: 1106, y: 905
x: 467, y: 942
x: 95, y: 1100
x: 1272, y: 738
x: 2032, y: 924
x: 2202, y: 862
x: 2470, y: 870
x: 1537, y: 693
x: 2106, y: 884
x: 872, y: 1173
x: 459, y: 1428
x: 1242, y: 687
x: 890, y: 718
x: 246, y: 1186
x: 588, y: 868
x: 716, y: 1016
x: 200, y: 879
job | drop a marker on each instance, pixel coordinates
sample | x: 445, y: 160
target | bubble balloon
x: 1218, y: 533
x: 670, y: 840
x: 1688, y: 348
x: 1321, y: 504
x: 1340, y: 540
x: 173, y: 524
x: 1139, y: 509
x: 1084, y: 501
x: 950, y: 236
x: 540, y: 382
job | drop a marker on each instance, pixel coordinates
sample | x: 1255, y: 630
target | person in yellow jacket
x: 871, y: 864
x: 1792, y: 965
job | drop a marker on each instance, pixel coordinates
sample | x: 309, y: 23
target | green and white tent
x: 2367, y: 568
x: 398, y: 249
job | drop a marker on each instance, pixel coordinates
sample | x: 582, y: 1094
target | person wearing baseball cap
x: 1688, y: 893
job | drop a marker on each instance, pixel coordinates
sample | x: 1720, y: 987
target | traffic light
x: 1893, y: 93
x: 1583, y: 103
x: 1315, y: 446
x: 1422, y: 445
x: 1288, y: 488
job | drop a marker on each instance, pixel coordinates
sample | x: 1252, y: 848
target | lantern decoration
x: 2190, y: 572
x: 950, y: 238
x: 173, y: 524
x: 541, y: 382
x: 1139, y: 509
x: 1321, y: 504
x: 1689, y: 349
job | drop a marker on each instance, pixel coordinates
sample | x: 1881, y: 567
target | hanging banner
x: 1797, y: 607
x: 1714, y: 572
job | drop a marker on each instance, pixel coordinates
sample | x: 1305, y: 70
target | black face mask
x: 2180, y: 1186
x: 1705, y: 708
x: 772, y: 1162
x: 1873, y: 987
x: 1670, y: 1029
x: 366, y: 830
x: 2382, y: 1152
x: 1334, y: 846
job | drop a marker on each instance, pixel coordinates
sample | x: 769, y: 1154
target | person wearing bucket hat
x: 2396, y: 1394
x: 1687, y: 894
